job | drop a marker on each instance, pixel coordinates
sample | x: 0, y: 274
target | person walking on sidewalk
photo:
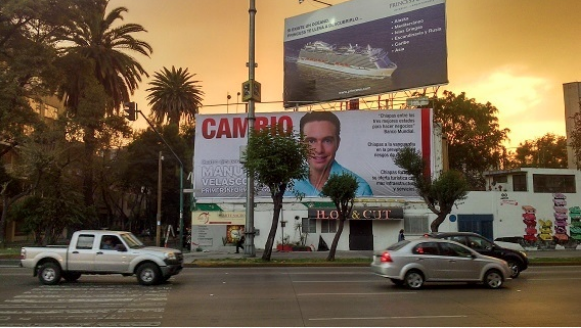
x: 401, y: 236
x: 240, y: 242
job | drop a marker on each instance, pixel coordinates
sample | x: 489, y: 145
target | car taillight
x: 23, y: 254
x: 385, y: 257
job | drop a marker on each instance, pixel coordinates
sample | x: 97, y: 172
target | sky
x: 514, y: 54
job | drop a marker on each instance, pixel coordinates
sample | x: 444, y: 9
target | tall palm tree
x: 93, y: 37
x: 174, y: 95
x: 93, y: 45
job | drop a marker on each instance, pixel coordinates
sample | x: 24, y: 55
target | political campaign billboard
x: 362, y: 143
x: 364, y: 47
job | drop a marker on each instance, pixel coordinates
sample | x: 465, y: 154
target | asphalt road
x: 293, y: 296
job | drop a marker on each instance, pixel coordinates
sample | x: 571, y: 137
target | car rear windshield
x: 398, y: 245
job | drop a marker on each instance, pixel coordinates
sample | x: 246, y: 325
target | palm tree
x: 94, y: 46
x: 174, y: 95
x: 93, y: 37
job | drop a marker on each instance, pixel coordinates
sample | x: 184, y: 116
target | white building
x: 497, y: 212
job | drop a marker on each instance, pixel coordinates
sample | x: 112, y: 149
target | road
x: 306, y: 296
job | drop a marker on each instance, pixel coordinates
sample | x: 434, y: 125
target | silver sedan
x: 414, y: 262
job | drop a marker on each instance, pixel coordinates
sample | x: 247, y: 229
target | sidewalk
x: 189, y: 257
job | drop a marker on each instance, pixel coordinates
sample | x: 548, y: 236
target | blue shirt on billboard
x: 305, y: 186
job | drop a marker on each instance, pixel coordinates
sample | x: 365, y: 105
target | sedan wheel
x: 493, y: 279
x: 414, y: 279
x: 514, y: 268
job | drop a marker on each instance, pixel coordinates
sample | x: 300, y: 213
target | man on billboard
x: 322, y: 131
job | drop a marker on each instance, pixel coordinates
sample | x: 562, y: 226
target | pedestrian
x: 401, y: 236
x: 240, y: 242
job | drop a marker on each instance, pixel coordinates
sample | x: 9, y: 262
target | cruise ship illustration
x: 349, y: 59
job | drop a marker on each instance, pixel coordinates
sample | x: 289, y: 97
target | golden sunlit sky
x: 515, y: 54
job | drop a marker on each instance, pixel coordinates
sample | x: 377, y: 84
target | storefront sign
x: 372, y: 213
x: 218, y: 218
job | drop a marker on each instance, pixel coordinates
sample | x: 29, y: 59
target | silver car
x: 414, y: 262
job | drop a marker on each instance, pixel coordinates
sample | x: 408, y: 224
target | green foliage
x: 275, y: 157
x: 473, y: 134
x: 441, y: 193
x: 174, y: 95
x: 548, y: 151
x: 341, y: 189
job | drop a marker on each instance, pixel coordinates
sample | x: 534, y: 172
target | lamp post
x: 181, y: 183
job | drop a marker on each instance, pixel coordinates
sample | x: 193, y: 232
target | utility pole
x: 249, y: 250
x: 158, y: 221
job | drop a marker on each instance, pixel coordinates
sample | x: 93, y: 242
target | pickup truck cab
x: 102, y: 252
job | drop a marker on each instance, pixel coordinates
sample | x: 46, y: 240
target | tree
x: 341, y: 189
x: 95, y: 46
x: 439, y: 194
x: 174, y: 95
x: 274, y: 158
x: 548, y: 151
x: 473, y: 135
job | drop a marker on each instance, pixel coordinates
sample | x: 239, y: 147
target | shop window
x: 551, y: 183
x: 309, y: 225
x: 328, y: 226
x: 415, y: 225
x: 519, y: 182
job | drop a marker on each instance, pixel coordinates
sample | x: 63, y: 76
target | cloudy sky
x: 515, y: 54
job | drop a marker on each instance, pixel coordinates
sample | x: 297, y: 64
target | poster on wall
x: 364, y: 47
x: 362, y: 143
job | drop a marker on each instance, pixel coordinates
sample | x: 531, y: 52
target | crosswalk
x: 87, y: 304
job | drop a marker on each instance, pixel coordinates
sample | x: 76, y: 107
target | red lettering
x: 237, y: 129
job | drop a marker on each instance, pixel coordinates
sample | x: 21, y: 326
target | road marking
x: 338, y: 281
x: 388, y: 318
x: 83, y: 305
x: 324, y: 294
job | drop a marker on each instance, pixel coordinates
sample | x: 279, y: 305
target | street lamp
x: 181, y: 181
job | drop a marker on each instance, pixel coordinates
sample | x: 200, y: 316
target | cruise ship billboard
x: 362, y: 143
x: 364, y: 47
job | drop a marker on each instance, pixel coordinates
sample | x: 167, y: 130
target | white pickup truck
x: 102, y: 252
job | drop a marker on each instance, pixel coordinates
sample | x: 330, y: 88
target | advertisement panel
x: 364, y: 47
x: 366, y: 143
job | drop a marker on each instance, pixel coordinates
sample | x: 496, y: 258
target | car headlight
x: 170, y: 256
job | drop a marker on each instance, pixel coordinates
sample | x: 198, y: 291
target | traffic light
x: 251, y: 91
x: 131, y: 109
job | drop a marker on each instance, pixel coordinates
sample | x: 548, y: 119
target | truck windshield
x: 132, y: 241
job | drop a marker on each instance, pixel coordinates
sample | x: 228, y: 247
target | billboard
x: 366, y: 144
x: 364, y: 47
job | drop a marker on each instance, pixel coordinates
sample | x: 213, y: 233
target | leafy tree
x: 341, y: 189
x: 548, y: 151
x: 441, y: 193
x: 174, y: 95
x: 473, y: 134
x: 274, y: 158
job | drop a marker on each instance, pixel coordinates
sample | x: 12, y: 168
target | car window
x: 460, y: 239
x: 460, y: 250
x: 429, y: 248
x: 446, y: 249
x: 85, y: 242
x: 479, y: 243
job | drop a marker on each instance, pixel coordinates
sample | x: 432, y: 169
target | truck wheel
x: 71, y: 276
x: 148, y: 274
x: 49, y: 273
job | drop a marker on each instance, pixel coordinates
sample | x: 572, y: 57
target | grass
x: 10, y: 253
